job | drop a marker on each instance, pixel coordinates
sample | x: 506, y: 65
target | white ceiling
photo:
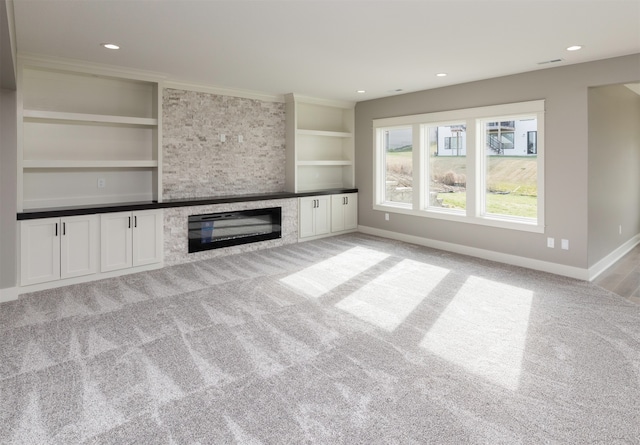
x: 325, y: 48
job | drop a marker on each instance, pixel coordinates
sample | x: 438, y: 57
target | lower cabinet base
x: 326, y: 235
x: 86, y: 278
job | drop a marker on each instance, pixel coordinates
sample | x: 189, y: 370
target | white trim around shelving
x: 30, y: 60
x: 44, y: 163
x: 83, y: 117
x: 324, y: 163
x: 325, y: 102
x: 335, y: 134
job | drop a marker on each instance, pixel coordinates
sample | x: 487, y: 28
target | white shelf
x: 320, y: 144
x: 88, y: 164
x: 94, y: 118
x: 77, y: 128
x: 334, y: 134
x: 324, y: 163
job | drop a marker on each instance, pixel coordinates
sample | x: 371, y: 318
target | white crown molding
x: 317, y: 101
x: 513, y: 260
x: 40, y: 61
x: 222, y: 91
x: 35, y: 60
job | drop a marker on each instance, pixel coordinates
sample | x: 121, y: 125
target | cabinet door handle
x: 129, y: 222
x: 135, y: 221
x: 56, y: 229
x: 346, y: 200
x: 64, y: 228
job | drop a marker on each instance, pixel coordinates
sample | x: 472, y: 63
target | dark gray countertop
x: 54, y: 212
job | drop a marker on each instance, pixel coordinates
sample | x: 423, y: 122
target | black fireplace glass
x: 215, y: 230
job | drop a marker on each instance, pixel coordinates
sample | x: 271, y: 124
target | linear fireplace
x: 225, y: 229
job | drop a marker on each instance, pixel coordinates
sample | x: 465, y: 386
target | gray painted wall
x: 614, y: 168
x: 565, y: 90
x: 8, y: 192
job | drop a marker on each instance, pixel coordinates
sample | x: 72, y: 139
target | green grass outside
x: 512, y: 178
x: 512, y: 205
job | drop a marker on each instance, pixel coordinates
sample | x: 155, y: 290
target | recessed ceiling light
x: 361, y: 91
x: 574, y: 48
x: 441, y: 74
x: 110, y: 45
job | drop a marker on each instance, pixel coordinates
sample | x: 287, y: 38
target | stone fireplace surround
x: 247, y: 175
x: 175, y: 229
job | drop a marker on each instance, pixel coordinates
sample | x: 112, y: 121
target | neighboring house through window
x: 423, y: 166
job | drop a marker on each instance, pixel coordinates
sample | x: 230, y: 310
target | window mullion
x: 473, y: 171
x: 418, y: 168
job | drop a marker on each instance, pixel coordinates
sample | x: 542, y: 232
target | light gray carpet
x: 352, y: 339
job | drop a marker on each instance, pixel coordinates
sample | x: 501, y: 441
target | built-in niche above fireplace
x: 215, y: 230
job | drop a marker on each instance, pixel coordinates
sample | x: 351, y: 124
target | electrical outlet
x: 240, y: 138
x: 102, y: 183
x: 386, y: 217
x: 551, y: 243
x: 564, y: 244
x: 620, y: 229
x: 223, y: 138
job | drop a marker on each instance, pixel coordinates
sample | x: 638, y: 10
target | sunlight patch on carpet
x: 390, y: 298
x: 483, y: 330
x: 317, y: 280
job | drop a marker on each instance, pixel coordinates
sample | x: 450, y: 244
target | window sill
x: 489, y: 220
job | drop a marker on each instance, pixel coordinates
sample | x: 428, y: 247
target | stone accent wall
x: 197, y: 164
x: 176, y: 244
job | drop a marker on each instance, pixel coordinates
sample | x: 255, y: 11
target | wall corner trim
x: 8, y: 294
x: 513, y: 260
x: 609, y: 260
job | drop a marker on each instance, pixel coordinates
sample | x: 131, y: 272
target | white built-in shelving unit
x: 86, y: 136
x: 320, y: 144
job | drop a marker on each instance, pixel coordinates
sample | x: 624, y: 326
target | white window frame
x: 475, y: 157
x: 425, y: 190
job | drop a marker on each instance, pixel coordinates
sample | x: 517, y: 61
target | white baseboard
x: 8, y: 294
x: 86, y: 278
x: 544, y: 266
x: 606, y: 262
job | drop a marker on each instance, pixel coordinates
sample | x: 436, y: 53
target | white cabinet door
x: 337, y: 212
x: 147, y: 237
x: 306, y: 225
x: 39, y: 251
x: 315, y: 216
x: 351, y: 212
x: 344, y: 212
x: 130, y: 239
x: 79, y: 246
x: 322, y: 217
x: 116, y: 241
